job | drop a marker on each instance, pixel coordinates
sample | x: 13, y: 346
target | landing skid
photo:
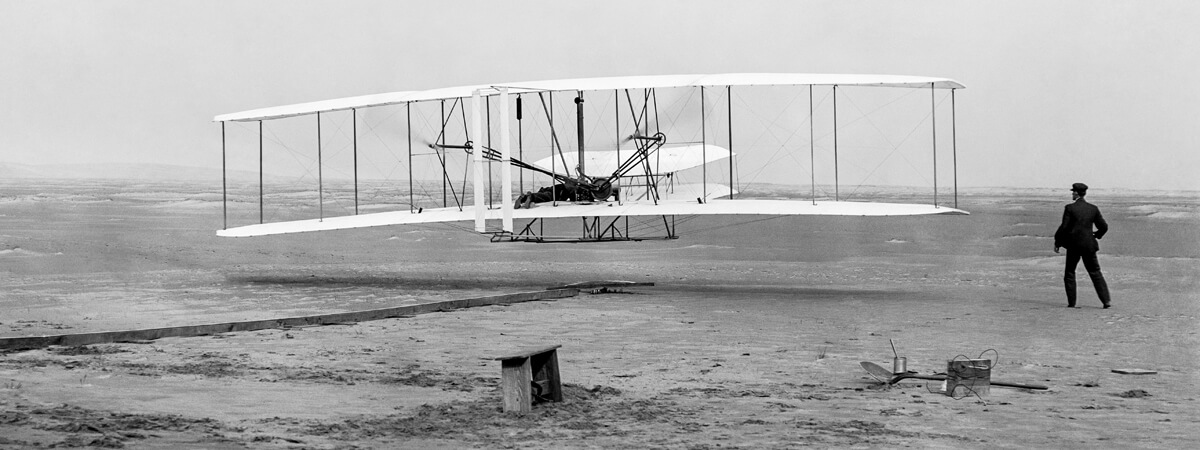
x: 594, y: 229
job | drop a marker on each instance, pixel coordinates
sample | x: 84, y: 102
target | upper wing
x: 299, y: 109
x: 607, y: 209
x: 594, y: 84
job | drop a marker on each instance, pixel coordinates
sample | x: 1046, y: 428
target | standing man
x: 1077, y: 236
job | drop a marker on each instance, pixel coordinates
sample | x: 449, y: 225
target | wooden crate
x: 530, y: 376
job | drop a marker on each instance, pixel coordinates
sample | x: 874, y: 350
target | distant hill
x: 147, y: 172
x: 118, y: 171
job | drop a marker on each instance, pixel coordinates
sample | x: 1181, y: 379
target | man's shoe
x: 1106, y: 306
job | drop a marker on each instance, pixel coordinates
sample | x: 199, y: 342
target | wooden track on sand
x: 31, y: 342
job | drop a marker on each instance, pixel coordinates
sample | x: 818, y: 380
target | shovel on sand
x: 882, y: 374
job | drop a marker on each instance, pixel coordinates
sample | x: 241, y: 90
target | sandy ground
x: 751, y: 338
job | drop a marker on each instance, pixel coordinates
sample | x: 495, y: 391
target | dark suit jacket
x: 1075, y: 233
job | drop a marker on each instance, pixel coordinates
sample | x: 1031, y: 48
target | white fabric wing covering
x: 606, y: 209
x: 594, y: 84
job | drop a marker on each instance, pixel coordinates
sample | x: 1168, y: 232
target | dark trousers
x: 1093, y: 269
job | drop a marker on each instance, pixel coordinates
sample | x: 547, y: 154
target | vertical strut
x: 729, y: 106
x: 408, y: 121
x: 553, y: 169
x: 487, y: 101
x: 933, y: 123
x: 520, y: 144
x: 836, y: 195
x: 812, y: 158
x: 354, y: 132
x: 320, y: 177
x: 445, y: 176
x: 617, y: 127
x: 703, y: 149
x: 954, y: 143
x: 506, y: 200
x: 476, y: 124
x: 224, y: 188
x: 260, y: 172
x: 657, y: 128
x: 579, y: 132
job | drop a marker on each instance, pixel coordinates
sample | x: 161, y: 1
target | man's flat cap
x: 1079, y: 187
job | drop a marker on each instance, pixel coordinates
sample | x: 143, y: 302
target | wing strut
x: 224, y: 184
x: 354, y: 134
x: 485, y: 155
x: 933, y: 129
x: 320, y: 175
x: 954, y: 145
x: 520, y: 145
x: 408, y: 127
x: 703, y: 148
x: 260, y: 172
x: 729, y: 118
x: 617, y: 128
x: 506, y: 201
x: 579, y: 131
x: 836, y: 195
x: 477, y: 130
x: 812, y: 158
x: 487, y: 125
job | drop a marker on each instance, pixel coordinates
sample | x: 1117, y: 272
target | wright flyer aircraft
x: 604, y: 159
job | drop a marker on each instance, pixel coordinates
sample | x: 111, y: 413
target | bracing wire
x: 771, y: 125
x: 894, y: 147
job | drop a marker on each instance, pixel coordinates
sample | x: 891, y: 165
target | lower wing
x: 599, y: 209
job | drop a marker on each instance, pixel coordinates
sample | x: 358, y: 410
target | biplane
x: 646, y: 168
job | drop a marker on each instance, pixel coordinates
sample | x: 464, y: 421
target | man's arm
x: 1101, y: 225
x: 1060, y: 235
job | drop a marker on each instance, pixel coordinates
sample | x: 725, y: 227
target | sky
x: 1102, y: 92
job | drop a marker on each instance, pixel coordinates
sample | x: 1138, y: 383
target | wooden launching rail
x: 530, y: 376
x: 31, y: 342
x: 598, y: 285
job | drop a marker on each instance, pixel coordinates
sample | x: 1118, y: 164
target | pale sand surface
x: 750, y: 339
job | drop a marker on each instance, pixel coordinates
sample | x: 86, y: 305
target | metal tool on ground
x: 968, y: 376
x: 882, y: 374
x: 899, y: 363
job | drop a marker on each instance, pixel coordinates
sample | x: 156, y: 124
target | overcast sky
x: 1103, y: 92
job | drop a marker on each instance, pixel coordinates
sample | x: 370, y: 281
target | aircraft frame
x: 601, y: 196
